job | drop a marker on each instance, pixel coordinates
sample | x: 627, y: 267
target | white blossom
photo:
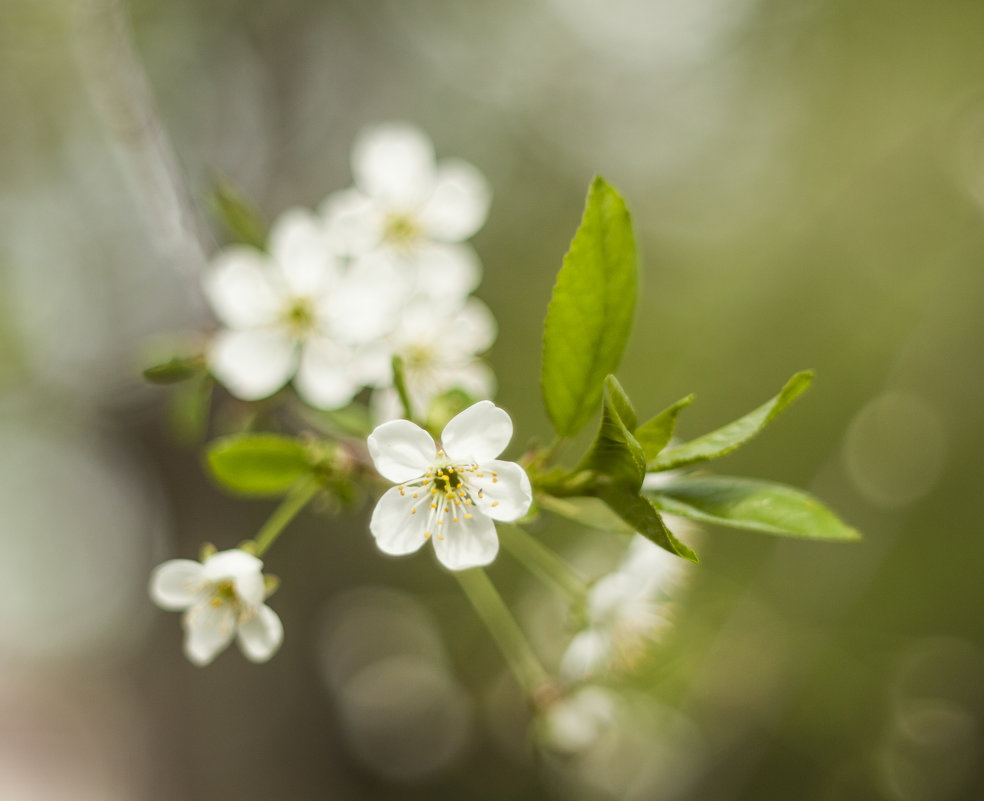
x: 626, y: 610
x: 439, y: 343
x: 451, y: 495
x: 300, y: 313
x: 415, y: 211
x: 222, y: 597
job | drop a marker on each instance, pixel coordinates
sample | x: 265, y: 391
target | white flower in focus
x: 439, y: 343
x: 417, y: 211
x: 452, y: 495
x: 222, y: 598
x: 299, y: 313
x: 626, y: 610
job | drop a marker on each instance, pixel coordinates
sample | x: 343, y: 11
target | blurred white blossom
x: 451, y: 495
x: 222, y: 597
x: 440, y: 343
x: 626, y: 611
x: 415, y: 211
x: 300, y: 313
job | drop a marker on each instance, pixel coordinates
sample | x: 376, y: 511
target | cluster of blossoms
x: 373, y: 291
x: 381, y: 270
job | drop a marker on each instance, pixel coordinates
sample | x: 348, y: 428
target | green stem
x: 487, y: 602
x: 543, y: 562
x: 400, y: 383
x: 298, y: 498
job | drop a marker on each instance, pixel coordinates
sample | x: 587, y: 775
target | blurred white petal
x: 459, y: 204
x: 252, y: 364
x: 394, y: 164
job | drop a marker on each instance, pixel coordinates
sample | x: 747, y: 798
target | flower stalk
x: 543, y: 563
x: 516, y: 649
x: 296, y: 500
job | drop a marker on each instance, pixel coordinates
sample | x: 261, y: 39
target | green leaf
x: 257, y: 464
x: 643, y: 517
x: 245, y: 224
x: 749, y: 504
x: 615, y: 454
x: 591, y: 310
x: 174, y: 370
x: 726, y: 439
x: 654, y: 434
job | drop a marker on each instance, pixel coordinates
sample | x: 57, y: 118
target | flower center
x: 299, y: 316
x: 400, y: 229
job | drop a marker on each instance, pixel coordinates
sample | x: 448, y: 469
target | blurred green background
x: 807, y: 181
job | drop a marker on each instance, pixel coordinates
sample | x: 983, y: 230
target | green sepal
x: 590, y: 311
x: 175, y: 370
x: 207, y: 550
x: 655, y: 434
x: 244, y: 223
x: 257, y: 464
x: 751, y: 504
x: 727, y: 438
x: 247, y: 546
x: 447, y: 405
x: 271, y: 584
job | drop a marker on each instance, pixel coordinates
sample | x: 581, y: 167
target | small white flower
x: 415, y: 210
x: 626, y: 610
x: 221, y: 597
x: 299, y: 313
x: 452, y: 495
x: 439, y: 343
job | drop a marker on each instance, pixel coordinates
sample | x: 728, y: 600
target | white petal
x: 459, y: 204
x: 588, y: 653
x: 176, y: 584
x: 244, y: 571
x: 364, y: 305
x: 394, y: 164
x: 242, y: 288
x: 445, y: 270
x: 326, y: 378
x: 478, y: 434
x: 401, y: 450
x: 471, y: 542
x: 397, y: 528
x: 475, y: 328
x: 231, y: 564
x: 353, y: 222
x: 505, y: 496
x: 208, y: 629
x: 261, y: 635
x: 252, y: 364
x: 299, y: 246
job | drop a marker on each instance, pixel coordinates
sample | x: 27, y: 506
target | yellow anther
x: 467, y: 516
x: 495, y: 481
x: 433, y: 506
x: 454, y: 519
x: 440, y: 536
x: 427, y: 534
x: 495, y: 503
x: 413, y: 511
